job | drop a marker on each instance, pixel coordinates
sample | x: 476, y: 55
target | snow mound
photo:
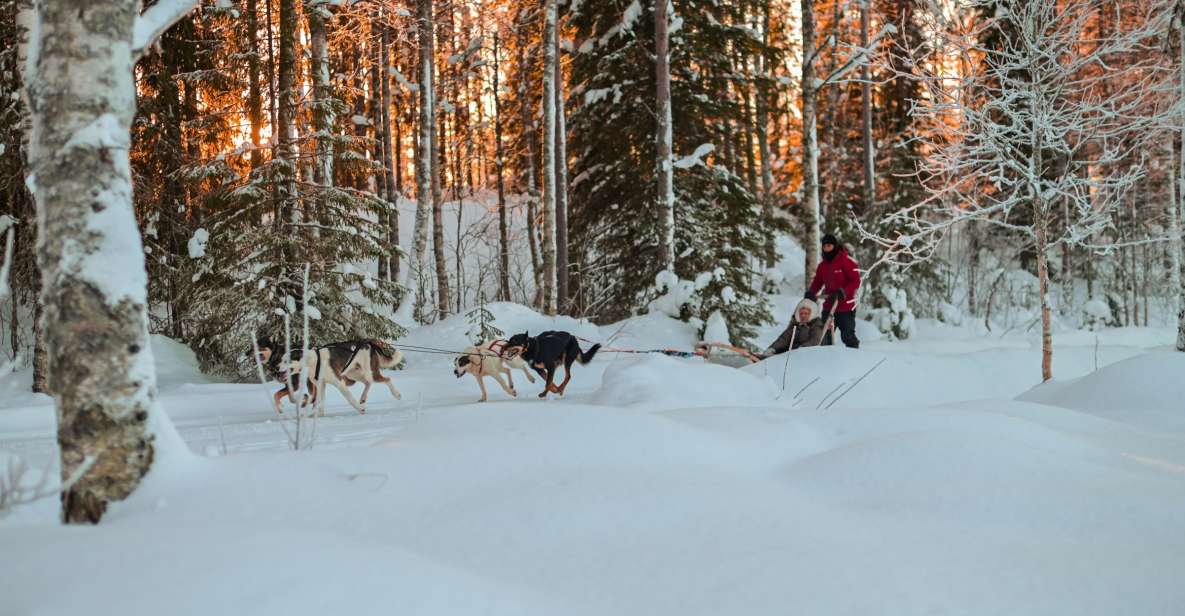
x: 659, y: 382
x: 1146, y: 390
x: 1152, y: 381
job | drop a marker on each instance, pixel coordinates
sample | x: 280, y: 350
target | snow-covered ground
x: 944, y: 482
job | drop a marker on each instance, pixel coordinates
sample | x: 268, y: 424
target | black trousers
x: 845, y: 322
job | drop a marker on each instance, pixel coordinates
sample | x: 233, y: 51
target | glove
x: 811, y: 296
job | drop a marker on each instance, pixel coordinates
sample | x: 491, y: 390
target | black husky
x: 546, y: 352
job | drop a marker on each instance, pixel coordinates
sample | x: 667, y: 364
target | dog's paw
x: 398, y: 396
x: 514, y: 393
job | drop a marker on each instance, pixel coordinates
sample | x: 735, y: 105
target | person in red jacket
x: 837, y: 278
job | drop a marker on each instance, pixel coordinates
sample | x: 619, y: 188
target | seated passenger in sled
x: 806, y: 329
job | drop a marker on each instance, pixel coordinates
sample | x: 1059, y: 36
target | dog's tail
x: 587, y: 356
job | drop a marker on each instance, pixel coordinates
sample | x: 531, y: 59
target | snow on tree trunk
x: 83, y: 99
x: 549, y: 159
x: 25, y: 19
x: 665, y: 170
x: 561, y: 185
x: 810, y: 142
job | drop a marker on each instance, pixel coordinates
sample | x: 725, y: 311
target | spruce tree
x: 615, y: 221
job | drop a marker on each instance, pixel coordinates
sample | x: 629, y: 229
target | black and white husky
x: 340, y: 364
x: 548, y: 351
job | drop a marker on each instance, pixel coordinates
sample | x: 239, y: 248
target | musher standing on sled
x: 838, y: 278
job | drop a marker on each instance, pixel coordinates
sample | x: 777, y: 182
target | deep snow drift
x: 658, y: 486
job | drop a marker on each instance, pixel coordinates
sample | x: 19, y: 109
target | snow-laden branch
x: 153, y: 22
x: 859, y: 55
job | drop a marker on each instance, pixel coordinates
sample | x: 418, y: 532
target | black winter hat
x: 829, y: 239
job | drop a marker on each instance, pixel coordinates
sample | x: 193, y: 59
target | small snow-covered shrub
x: 893, y: 316
x: 1096, y: 314
x: 950, y: 314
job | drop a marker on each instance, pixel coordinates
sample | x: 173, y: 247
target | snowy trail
x: 657, y: 486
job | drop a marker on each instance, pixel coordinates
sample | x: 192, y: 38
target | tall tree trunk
x: 748, y: 137
x: 26, y: 18
x: 866, y: 109
x: 664, y: 169
x: 378, y: 123
x: 390, y: 194
x: 289, y: 148
x: 1043, y: 286
x: 549, y: 156
x: 1177, y: 244
x: 95, y: 291
x: 440, y: 156
x: 561, y: 184
x: 499, y: 164
x: 769, y: 256
x: 254, y: 94
x: 532, y: 186
x: 424, y: 162
x: 317, y: 12
x: 810, y: 145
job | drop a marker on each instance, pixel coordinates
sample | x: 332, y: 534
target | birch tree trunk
x: 83, y: 98
x: 318, y: 15
x: 528, y: 127
x: 561, y: 183
x: 810, y: 144
x: 549, y: 159
x: 866, y: 105
x: 424, y: 163
x: 390, y: 192
x: 1176, y: 246
x: 665, y: 170
x: 254, y: 94
x: 25, y: 19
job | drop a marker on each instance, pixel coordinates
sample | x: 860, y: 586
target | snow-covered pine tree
x: 225, y: 249
x: 615, y: 222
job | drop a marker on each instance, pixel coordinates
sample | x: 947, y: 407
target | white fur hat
x: 806, y: 303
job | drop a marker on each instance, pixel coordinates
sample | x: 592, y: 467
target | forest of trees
x: 976, y: 156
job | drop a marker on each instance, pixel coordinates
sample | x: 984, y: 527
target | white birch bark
x: 663, y: 138
x: 549, y: 158
x: 810, y: 140
x: 424, y: 162
x: 1176, y: 248
x: 82, y: 98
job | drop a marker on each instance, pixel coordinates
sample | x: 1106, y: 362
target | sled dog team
x: 342, y: 364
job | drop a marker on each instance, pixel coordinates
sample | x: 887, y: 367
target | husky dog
x: 287, y: 373
x: 490, y: 358
x: 342, y: 364
x: 546, y: 352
